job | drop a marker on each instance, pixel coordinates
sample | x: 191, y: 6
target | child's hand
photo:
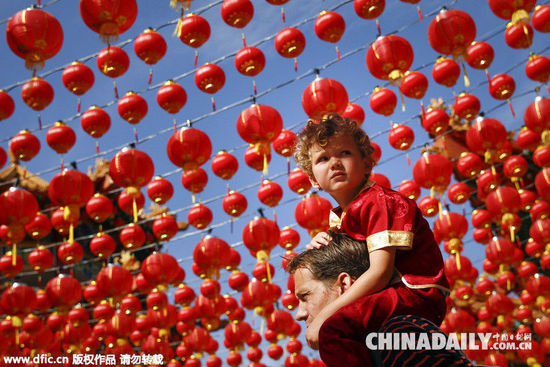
x: 319, y: 240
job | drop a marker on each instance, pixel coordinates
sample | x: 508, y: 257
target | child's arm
x: 321, y: 239
x: 372, y: 280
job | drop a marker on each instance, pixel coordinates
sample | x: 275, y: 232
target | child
x: 337, y: 156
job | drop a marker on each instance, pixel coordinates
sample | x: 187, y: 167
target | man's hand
x: 319, y: 240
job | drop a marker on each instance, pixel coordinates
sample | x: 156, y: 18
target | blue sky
x: 285, y: 87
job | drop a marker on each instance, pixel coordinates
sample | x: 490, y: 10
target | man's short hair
x: 341, y: 255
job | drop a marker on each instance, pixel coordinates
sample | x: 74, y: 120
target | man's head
x: 317, y: 135
x: 322, y: 275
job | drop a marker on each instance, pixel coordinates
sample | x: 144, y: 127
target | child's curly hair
x: 320, y: 132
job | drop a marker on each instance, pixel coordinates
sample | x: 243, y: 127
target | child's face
x: 338, y: 168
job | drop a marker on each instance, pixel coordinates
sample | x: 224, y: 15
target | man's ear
x: 344, y: 281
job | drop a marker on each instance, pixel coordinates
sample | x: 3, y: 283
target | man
x: 323, y: 274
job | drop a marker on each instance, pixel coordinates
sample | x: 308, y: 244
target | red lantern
x: 270, y: 193
x: 171, y: 97
x: 502, y: 86
x: 542, y: 183
x: 211, y: 254
x: 209, y: 78
x: 3, y: 157
x: 165, y: 227
x: 257, y: 157
x: 329, y: 26
x: 433, y: 171
x: 64, y: 291
x: 515, y: 167
x: 323, y: 96
x: 290, y: 42
x: 6, y: 105
x: 486, y: 135
x: 401, y: 137
x: 503, y: 201
x: 380, y: 179
x: 24, y: 146
x: 132, y: 108
x: 527, y: 139
x: 34, y: 35
x: 95, y: 122
x: 414, y: 84
x: 99, y: 208
x: 237, y: 13
x: 459, y: 193
x: 451, y: 32
x: 446, y: 71
x: 60, y: 137
x: 194, y: 30
x: 199, y: 216
x: 250, y: 61
x: 289, y: 238
x: 109, y: 19
x: 132, y: 236
x: 189, y: 148
x: 78, y: 78
x: 131, y: 168
x: 541, y: 156
x: 60, y: 224
x: 508, y: 9
x: 159, y: 268
x: 234, y: 203
x: 538, y: 68
x: 70, y: 252
x: 541, y: 18
x: 409, y: 189
x: 518, y: 35
x: 194, y: 180
x: 312, y: 213
x: 259, y: 124
x: 486, y: 182
x: 355, y: 112
x: 260, y: 236
x: 285, y: 143
x: 113, y: 61
x: 480, y: 55
x: 18, y: 300
x: 435, y: 121
x: 39, y: 227
x: 40, y: 259
x: 383, y: 101
x: 71, y: 189
x: 369, y: 9
x: 224, y: 165
x: 160, y: 190
x: 298, y: 181
x: 150, y: 46
x: 389, y: 57
x: 469, y: 165
x: 537, y: 115
x: 467, y: 106
x: 37, y: 93
x: 102, y: 245
x: 114, y: 281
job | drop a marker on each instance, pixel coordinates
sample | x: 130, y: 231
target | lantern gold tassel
x: 179, y: 26
x: 457, y: 258
x: 268, y: 273
x: 13, y: 254
x: 466, y: 79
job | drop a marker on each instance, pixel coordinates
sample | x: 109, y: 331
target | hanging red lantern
x: 78, y: 78
x: 24, y: 146
x: 289, y: 238
x: 3, y: 157
x: 102, y: 245
x: 114, y: 281
x: 527, y: 139
x: 542, y: 183
x: 109, y: 19
x: 7, y: 106
x: 160, y: 190
x: 64, y: 291
x: 502, y: 202
x: 518, y: 35
x: 189, y: 148
x: 485, y: 136
x: 459, y: 193
x: 132, y: 108
x: 257, y: 158
x: 237, y: 13
x: 312, y: 213
x: 131, y: 168
x: 538, y: 68
x: 35, y: 36
x: 435, y: 121
x: 250, y: 61
x: 541, y: 18
x: 260, y: 236
x: 60, y: 224
x: 527, y: 198
x: 194, y: 180
x: 451, y: 32
x: 37, y: 93
x: 515, y: 167
x: 290, y: 42
x: 39, y: 227
x: 380, y: 179
x: 270, y: 193
x: 383, y: 101
x: 433, y: 171
x: 369, y: 9
x: 298, y: 181
x: 259, y: 125
x: 389, y: 57
x: 329, y: 26
x: 11, y: 264
x: 211, y: 254
x: 194, y: 30
x: 469, y: 165
x: 132, y: 236
x: 209, y: 78
x: 224, y: 165
x: 502, y: 86
x: 414, y: 84
x: 480, y: 55
x: 150, y: 46
x: 355, y: 112
x: 234, y: 203
x: 409, y: 189
x: 70, y: 252
x: 95, y: 122
x: 113, y: 61
x: 467, y: 106
x: 99, y: 207
x: 537, y: 115
x: 60, y: 137
x: 199, y: 216
x: 541, y: 156
x: 324, y: 96
x: 446, y: 71
x: 401, y: 137
x: 509, y: 9
x: 171, y: 97
x: 159, y: 268
x: 18, y: 300
x: 285, y: 143
x: 165, y: 227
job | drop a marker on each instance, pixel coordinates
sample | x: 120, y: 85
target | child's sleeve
x: 388, y: 221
